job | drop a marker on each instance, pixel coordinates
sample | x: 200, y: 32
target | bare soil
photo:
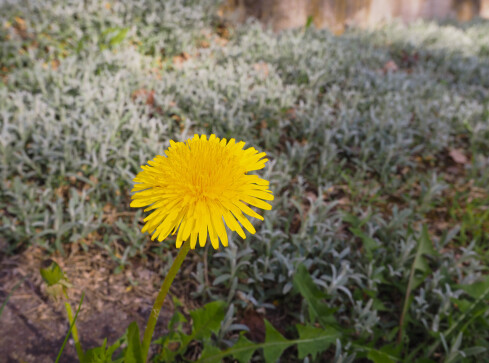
x: 33, y: 325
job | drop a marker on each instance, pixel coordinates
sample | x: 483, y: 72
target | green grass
x: 360, y: 156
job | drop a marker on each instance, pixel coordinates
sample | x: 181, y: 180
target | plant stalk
x: 165, y: 287
x: 74, y: 330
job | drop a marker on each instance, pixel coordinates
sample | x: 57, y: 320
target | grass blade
x: 71, y: 327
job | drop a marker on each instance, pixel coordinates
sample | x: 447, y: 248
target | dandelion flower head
x: 200, y: 186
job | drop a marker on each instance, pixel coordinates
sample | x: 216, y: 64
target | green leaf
x: 52, y: 273
x: 274, y: 344
x: 118, y: 37
x: 176, y: 321
x: 480, y: 292
x: 244, y: 349
x: 377, y: 303
x: 477, y: 289
x: 133, y: 352
x: 311, y: 340
x: 111, y: 350
x: 172, y: 345
x: 309, y: 22
x: 207, y: 319
x: 377, y: 356
x: 211, y: 354
x: 369, y: 244
x: 425, y: 247
x: 314, y: 340
x: 96, y: 355
x: 100, y: 354
x: 469, y: 313
x: 474, y: 351
x: 318, y: 310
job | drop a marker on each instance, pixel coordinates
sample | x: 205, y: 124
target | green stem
x: 74, y: 330
x: 165, y: 287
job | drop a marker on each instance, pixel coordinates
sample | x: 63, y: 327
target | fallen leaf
x: 145, y: 95
x: 178, y: 60
x: 55, y: 64
x: 221, y: 41
x: 390, y: 66
x: 261, y: 67
x: 20, y: 27
x: 204, y: 44
x: 20, y: 22
x: 458, y: 156
x: 291, y: 113
x: 312, y: 196
x: 255, y: 324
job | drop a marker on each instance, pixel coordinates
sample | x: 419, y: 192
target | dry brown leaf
x: 21, y: 28
x: 221, y: 41
x: 291, y: 113
x: 20, y: 23
x: 312, y: 196
x: 204, y: 44
x: 178, y: 60
x: 458, y: 156
x: 55, y: 64
x: 145, y: 95
x: 256, y: 325
x: 261, y: 67
x: 390, y: 66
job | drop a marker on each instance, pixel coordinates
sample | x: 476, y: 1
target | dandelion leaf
x: 207, y: 319
x: 243, y: 350
x: 318, y: 310
x: 133, y: 352
x: 377, y: 356
x: 314, y: 340
x: 420, y: 265
x: 97, y: 354
x: 478, y: 289
x: 102, y: 354
x: 274, y: 344
x: 369, y: 244
x: 211, y: 354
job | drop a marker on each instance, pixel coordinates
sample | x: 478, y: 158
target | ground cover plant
x: 378, y: 141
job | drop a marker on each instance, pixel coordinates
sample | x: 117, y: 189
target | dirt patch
x: 33, y: 325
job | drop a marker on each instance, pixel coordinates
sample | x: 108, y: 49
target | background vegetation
x: 379, y: 149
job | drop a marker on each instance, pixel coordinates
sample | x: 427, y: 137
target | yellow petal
x: 198, y: 187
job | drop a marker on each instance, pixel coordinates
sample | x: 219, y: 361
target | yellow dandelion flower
x: 199, y: 187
